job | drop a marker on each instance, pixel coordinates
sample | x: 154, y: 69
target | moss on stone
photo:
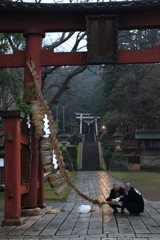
x: 150, y: 167
x: 118, y: 154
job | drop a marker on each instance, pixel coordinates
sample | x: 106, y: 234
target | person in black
x: 133, y: 201
x: 116, y: 195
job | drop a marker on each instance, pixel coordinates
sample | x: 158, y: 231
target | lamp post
x: 104, y: 129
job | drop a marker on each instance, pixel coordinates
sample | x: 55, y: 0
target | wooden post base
x: 13, y: 222
x: 31, y: 212
x: 43, y: 205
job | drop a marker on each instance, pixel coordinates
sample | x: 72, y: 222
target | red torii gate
x: 33, y: 20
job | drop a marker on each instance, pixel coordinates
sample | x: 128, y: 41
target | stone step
x: 90, y: 157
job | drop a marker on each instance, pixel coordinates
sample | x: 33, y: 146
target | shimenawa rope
x: 54, y: 142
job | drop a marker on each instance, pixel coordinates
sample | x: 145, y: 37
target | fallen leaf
x: 92, y: 210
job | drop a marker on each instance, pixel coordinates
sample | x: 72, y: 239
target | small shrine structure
x: 150, y: 156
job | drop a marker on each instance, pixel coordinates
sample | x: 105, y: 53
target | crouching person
x: 116, y: 195
x: 133, y: 201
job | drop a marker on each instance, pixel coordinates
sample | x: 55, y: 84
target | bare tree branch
x: 64, y: 86
x: 78, y: 39
x: 45, y: 72
x: 8, y: 37
x: 76, y: 95
x: 61, y: 40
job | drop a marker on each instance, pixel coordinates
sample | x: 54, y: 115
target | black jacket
x: 134, y: 197
x: 113, y: 194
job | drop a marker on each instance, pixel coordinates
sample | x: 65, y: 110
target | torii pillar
x: 96, y: 126
x: 35, y: 196
x: 81, y: 123
x: 17, y: 195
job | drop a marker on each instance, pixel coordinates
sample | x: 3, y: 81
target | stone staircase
x: 90, y: 154
x: 89, y: 137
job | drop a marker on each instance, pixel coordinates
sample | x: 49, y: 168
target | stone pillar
x: 96, y: 126
x: 81, y: 123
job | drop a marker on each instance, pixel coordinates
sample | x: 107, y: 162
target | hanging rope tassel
x: 44, y: 109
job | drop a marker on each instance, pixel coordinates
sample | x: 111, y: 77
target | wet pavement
x: 97, y: 225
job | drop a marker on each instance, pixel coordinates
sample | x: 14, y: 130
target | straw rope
x: 45, y: 110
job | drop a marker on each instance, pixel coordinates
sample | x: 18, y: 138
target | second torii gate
x: 82, y: 116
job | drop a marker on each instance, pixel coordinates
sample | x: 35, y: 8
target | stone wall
x: 118, y: 162
x: 118, y: 165
x: 150, y: 162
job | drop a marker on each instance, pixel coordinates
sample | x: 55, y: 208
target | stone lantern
x: 118, y: 139
x: 66, y: 157
x: 75, y: 128
x: 64, y: 138
x: 118, y: 161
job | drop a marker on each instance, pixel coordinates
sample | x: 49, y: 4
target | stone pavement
x: 91, y: 226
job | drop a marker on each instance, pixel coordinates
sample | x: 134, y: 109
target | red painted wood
x: 24, y: 189
x: 139, y: 20
x: 17, y: 59
x: 80, y: 58
x: 12, y: 170
x: 24, y: 140
x: 76, y: 21
x: 40, y: 197
x: 38, y: 185
x: 139, y: 56
x: 49, y: 58
x: 33, y: 50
